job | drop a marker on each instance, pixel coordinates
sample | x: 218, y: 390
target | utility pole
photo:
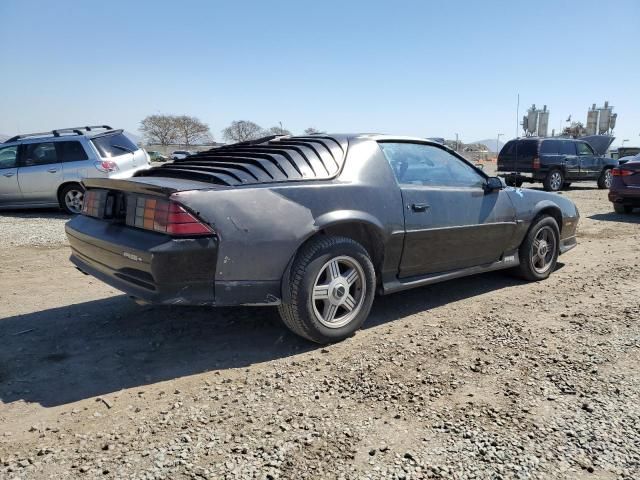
x: 456, y: 142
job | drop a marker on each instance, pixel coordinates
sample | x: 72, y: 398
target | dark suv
x: 556, y: 162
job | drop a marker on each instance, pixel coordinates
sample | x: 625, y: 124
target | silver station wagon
x: 45, y: 169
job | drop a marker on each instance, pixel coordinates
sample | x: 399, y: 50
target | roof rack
x: 58, y: 131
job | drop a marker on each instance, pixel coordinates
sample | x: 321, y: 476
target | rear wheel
x: 331, y: 289
x: 622, y: 208
x: 71, y: 198
x: 539, y: 250
x: 553, y: 181
x: 604, y: 181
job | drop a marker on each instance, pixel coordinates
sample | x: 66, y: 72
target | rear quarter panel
x: 261, y: 227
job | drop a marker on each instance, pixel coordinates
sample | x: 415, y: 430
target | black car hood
x: 600, y: 143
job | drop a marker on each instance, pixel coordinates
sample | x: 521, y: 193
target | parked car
x: 628, y: 158
x: 314, y: 224
x: 180, y: 154
x: 624, y: 192
x: 156, y: 156
x: 46, y: 169
x: 625, y: 152
x: 556, y: 162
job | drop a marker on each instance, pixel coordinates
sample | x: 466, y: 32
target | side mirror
x: 493, y: 183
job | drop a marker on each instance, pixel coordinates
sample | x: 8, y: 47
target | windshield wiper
x: 123, y: 148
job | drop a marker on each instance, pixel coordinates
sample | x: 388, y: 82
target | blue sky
x: 416, y: 68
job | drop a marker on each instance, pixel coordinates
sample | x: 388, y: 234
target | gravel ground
x: 32, y: 228
x: 483, y: 377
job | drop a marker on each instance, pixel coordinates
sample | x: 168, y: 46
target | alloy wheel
x: 607, y: 178
x: 555, y: 181
x: 543, y: 250
x: 338, y: 292
x: 73, y: 200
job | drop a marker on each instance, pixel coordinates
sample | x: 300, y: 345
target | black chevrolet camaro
x: 316, y: 225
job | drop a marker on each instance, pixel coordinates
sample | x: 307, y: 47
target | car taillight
x: 164, y: 216
x: 106, y: 166
x: 536, y: 163
x: 93, y: 203
x: 621, y: 172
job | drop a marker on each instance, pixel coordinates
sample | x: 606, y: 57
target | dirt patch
x: 482, y: 377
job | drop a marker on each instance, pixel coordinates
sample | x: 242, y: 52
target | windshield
x: 113, y: 145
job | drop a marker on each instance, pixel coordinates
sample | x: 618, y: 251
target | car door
x: 451, y: 222
x: 589, y: 167
x: 9, y: 188
x: 39, y: 172
x: 569, y: 159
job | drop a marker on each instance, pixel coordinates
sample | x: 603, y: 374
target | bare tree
x: 278, y: 131
x: 191, y: 130
x: 241, y: 131
x: 159, y: 129
x: 311, y: 131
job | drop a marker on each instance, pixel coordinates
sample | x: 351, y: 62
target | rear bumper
x: 526, y: 177
x: 155, y: 268
x: 149, y: 266
x: 625, y: 196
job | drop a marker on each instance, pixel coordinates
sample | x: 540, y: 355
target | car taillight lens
x: 93, y: 203
x: 621, y: 172
x: 106, y: 166
x: 536, y: 163
x: 164, y: 216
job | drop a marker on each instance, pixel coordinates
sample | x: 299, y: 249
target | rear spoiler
x: 158, y: 186
x: 130, y: 185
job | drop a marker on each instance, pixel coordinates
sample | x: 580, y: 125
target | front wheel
x: 622, y: 208
x: 553, y: 181
x: 331, y: 290
x: 539, y: 250
x: 604, y: 181
x: 71, y: 198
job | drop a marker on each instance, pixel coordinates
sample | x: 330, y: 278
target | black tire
x: 604, y: 180
x: 527, y: 269
x: 513, y: 182
x: 73, y: 208
x: 566, y: 184
x: 301, y: 313
x: 554, y: 180
x: 622, y: 208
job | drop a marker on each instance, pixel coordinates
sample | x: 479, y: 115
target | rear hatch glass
x: 517, y: 155
x: 119, y: 148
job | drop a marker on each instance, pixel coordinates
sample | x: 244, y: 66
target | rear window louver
x: 281, y: 159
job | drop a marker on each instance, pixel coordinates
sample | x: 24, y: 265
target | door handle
x: 52, y: 170
x: 419, y: 207
x: 9, y: 174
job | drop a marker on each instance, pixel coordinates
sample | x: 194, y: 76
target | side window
x: 9, y: 157
x: 550, y: 147
x: 416, y: 164
x: 40, y: 154
x: 71, y: 151
x: 567, y: 147
x: 584, y: 149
